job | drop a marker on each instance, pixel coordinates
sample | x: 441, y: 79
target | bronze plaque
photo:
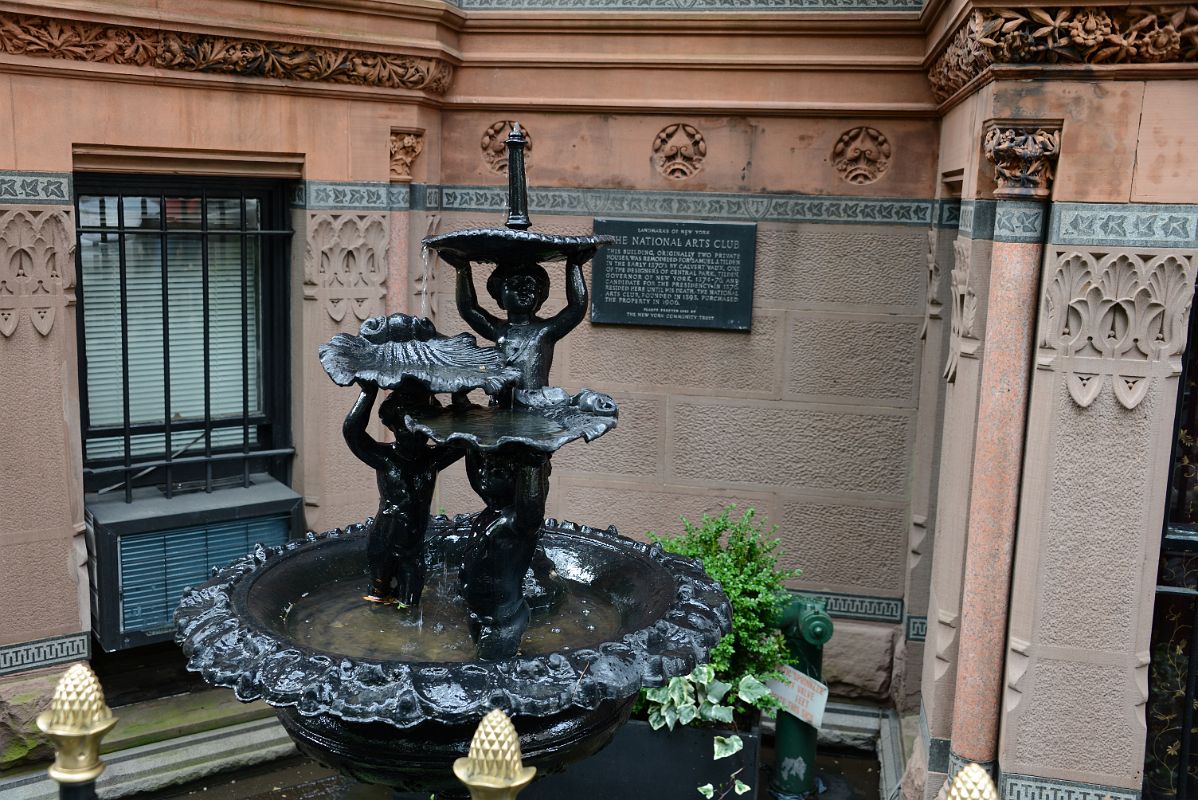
x: 677, y: 274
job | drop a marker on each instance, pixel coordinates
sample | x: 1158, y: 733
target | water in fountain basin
x: 335, y: 618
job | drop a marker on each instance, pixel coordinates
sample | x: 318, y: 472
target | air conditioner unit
x: 142, y: 555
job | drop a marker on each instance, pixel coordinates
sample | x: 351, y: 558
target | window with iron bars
x: 183, y: 332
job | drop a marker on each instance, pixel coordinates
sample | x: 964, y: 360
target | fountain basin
x: 384, y: 717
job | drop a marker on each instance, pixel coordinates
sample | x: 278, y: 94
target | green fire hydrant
x: 807, y: 627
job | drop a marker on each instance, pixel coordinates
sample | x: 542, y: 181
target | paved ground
x: 847, y: 775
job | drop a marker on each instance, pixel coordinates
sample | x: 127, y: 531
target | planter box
x: 658, y: 765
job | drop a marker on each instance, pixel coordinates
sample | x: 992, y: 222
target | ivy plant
x: 700, y: 696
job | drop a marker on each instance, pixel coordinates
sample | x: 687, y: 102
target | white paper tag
x: 804, y: 697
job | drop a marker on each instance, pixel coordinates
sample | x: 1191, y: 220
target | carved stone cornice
x: 76, y: 40
x: 1024, y: 157
x: 1065, y: 35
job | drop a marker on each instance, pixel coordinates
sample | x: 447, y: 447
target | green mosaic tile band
x: 41, y: 188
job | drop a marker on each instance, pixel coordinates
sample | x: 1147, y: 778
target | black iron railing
x: 182, y: 292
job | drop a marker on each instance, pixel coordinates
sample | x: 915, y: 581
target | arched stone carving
x: 962, y: 339
x: 1117, y: 315
x: 861, y: 155
x: 37, y: 267
x: 679, y: 150
x: 345, y: 263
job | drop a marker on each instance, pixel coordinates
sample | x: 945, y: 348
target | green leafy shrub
x: 740, y: 555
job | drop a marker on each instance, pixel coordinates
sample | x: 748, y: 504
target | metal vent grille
x: 155, y: 568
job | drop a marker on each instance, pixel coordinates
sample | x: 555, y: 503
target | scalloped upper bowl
x: 386, y: 715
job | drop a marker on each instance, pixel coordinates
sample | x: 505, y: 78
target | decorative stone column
x: 1023, y: 157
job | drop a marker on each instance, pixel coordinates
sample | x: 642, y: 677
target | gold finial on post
x: 493, y: 770
x: 78, y: 718
x: 973, y: 782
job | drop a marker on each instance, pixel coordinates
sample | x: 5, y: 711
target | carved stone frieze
x: 405, y: 146
x: 75, y: 40
x: 494, y: 146
x: 1024, y: 157
x: 345, y: 263
x: 1121, y: 315
x: 861, y: 155
x: 963, y: 338
x: 1065, y: 35
x: 37, y: 267
x: 679, y: 150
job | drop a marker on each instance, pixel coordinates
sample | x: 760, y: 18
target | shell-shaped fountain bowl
x: 399, y: 708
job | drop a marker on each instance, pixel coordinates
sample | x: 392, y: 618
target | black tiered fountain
x: 382, y: 644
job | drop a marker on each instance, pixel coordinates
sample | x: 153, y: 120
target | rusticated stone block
x: 790, y: 445
x: 38, y: 589
x: 633, y: 448
x: 635, y: 508
x: 870, y: 359
x: 723, y: 362
x: 826, y: 540
x: 1090, y: 566
x: 857, y: 659
x: 806, y: 266
x: 1050, y: 732
x: 21, y: 700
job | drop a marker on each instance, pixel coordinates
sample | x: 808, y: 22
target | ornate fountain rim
x: 258, y: 663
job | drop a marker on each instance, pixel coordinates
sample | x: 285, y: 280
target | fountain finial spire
x: 517, y: 184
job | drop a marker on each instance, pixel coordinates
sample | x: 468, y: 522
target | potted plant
x: 701, y: 730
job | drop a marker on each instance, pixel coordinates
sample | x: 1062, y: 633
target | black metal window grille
x: 1171, y: 754
x: 182, y: 288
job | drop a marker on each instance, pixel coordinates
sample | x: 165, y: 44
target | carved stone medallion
x: 495, y: 150
x: 679, y: 150
x: 861, y: 155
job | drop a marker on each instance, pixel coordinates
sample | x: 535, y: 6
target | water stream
x: 335, y: 618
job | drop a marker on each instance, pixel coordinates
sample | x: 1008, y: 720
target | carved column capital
x: 1024, y: 156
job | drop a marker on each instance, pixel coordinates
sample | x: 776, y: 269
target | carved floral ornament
x: 405, y: 146
x: 1117, y: 315
x: 1065, y: 35
x: 37, y: 268
x: 1023, y: 159
x: 345, y: 263
x: 679, y: 150
x: 861, y: 155
x: 74, y: 40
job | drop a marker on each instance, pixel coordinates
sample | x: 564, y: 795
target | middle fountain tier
x: 383, y: 644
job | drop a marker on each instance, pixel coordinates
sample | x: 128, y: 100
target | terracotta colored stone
x: 1168, y: 126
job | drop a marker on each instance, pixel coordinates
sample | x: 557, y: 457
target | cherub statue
x: 513, y: 482
x: 406, y: 471
x: 525, y: 340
